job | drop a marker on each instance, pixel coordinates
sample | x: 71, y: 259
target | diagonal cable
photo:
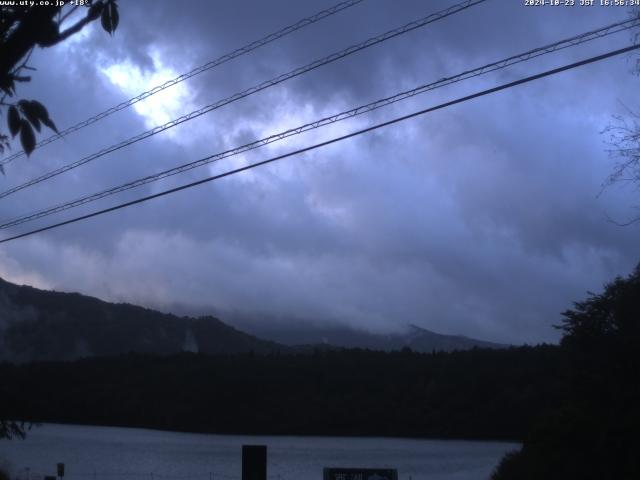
x: 196, y: 71
x: 356, y: 133
x: 250, y: 91
x: 512, y: 60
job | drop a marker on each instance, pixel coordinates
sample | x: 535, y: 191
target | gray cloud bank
x: 482, y: 219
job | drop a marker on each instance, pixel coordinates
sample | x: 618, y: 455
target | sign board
x: 254, y: 462
x: 360, y: 474
x: 60, y: 469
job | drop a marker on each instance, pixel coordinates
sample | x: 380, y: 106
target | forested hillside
x: 37, y: 325
x: 471, y: 394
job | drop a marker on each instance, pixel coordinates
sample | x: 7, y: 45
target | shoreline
x: 276, y: 435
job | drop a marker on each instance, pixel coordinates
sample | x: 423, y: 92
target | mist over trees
x: 567, y: 402
x: 575, y: 406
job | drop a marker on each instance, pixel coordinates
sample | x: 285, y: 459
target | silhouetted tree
x: 23, y: 28
x: 595, y: 434
x: 624, y: 142
x: 481, y: 393
x: 610, y: 319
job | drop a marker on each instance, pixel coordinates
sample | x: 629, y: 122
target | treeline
x: 595, y: 433
x: 576, y: 406
x: 476, y: 394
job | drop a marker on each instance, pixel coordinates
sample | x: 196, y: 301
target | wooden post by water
x: 254, y: 462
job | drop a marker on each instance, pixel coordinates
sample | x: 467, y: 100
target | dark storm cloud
x: 481, y: 219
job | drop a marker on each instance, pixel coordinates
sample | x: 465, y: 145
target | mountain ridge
x: 46, y: 325
x: 414, y: 337
x: 39, y: 325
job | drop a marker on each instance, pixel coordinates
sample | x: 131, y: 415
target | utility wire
x: 196, y: 71
x: 333, y: 140
x: 512, y: 60
x: 250, y: 91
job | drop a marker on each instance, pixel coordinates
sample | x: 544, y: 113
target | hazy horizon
x: 483, y: 219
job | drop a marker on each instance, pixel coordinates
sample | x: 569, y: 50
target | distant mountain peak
x: 415, y: 337
x: 48, y: 325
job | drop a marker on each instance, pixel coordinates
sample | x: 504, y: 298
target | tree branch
x: 24, y: 37
x: 79, y: 25
x: 66, y: 15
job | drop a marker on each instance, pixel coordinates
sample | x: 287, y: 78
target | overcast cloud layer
x: 482, y: 219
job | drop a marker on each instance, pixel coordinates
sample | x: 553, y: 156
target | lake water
x: 106, y: 453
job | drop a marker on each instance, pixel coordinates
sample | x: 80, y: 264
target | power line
x: 196, y: 71
x: 333, y: 140
x: 250, y: 91
x: 512, y: 60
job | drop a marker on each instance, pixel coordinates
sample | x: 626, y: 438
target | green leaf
x: 94, y: 11
x: 115, y: 15
x: 49, y: 123
x: 42, y: 114
x: 27, y: 138
x: 38, y: 109
x: 7, y: 85
x: 13, y: 119
x: 110, y: 17
x: 30, y: 112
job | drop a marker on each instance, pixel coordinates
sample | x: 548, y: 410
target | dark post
x: 254, y: 462
x: 359, y: 473
x: 60, y: 467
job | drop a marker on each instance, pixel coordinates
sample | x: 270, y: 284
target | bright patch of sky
x: 161, y: 107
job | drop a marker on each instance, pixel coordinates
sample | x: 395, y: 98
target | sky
x: 486, y: 219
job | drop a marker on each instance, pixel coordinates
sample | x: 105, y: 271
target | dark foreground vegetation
x: 471, y: 394
x: 575, y: 406
x: 595, y: 434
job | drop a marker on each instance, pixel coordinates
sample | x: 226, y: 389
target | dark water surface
x: 108, y: 453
